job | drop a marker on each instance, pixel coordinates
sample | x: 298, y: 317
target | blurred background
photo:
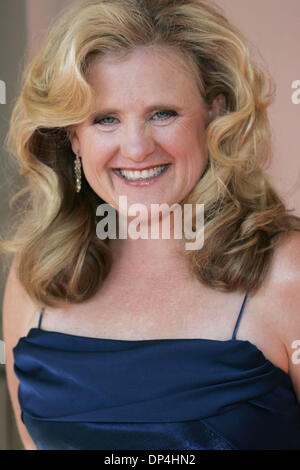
x: 272, y: 28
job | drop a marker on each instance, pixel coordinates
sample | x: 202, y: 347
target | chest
x: 146, y: 308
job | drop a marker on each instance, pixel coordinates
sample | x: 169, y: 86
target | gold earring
x: 77, y: 168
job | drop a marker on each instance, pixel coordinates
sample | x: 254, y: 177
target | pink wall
x: 272, y: 28
x: 40, y: 13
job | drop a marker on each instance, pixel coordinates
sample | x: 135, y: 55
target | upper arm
x: 17, y: 313
x: 286, y: 298
x: 291, y: 334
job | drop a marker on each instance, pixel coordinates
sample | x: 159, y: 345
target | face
x: 148, y: 113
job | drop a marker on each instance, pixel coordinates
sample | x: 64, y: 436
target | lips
x: 139, y: 180
x: 141, y: 169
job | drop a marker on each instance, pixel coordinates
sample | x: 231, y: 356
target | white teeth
x: 133, y: 175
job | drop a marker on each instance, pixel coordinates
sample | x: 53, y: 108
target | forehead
x: 146, y: 72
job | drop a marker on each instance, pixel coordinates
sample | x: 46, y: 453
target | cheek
x: 190, y: 150
x: 187, y: 144
x: 96, y: 152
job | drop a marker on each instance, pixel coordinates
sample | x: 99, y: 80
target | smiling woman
x: 132, y: 131
x: 136, y: 344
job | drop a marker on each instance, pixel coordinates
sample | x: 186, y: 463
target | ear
x: 71, y: 134
x: 217, y: 107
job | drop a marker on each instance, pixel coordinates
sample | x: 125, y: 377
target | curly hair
x: 60, y: 256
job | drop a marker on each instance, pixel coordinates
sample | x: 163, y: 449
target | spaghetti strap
x: 41, y: 317
x: 239, y: 318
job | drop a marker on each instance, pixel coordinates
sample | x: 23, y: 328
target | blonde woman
x: 139, y: 343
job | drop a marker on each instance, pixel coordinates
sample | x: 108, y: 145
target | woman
x: 131, y: 343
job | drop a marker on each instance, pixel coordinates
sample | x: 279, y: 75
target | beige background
x: 272, y: 27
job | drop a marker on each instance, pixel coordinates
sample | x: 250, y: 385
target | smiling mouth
x: 136, y: 175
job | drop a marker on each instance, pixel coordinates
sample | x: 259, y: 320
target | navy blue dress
x: 87, y: 393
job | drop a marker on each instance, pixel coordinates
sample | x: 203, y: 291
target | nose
x: 136, y: 143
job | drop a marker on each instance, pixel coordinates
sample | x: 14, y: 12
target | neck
x: 150, y: 257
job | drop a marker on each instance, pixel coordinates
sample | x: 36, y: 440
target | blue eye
x: 101, y: 120
x: 161, y: 116
x: 167, y: 114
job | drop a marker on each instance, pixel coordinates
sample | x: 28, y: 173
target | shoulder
x: 18, y: 310
x: 282, y: 293
x: 282, y: 283
x: 286, y: 259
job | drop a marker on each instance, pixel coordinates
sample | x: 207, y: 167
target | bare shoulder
x: 289, y: 298
x: 280, y: 296
x: 286, y: 260
x: 282, y: 282
x: 17, y: 314
x: 19, y: 311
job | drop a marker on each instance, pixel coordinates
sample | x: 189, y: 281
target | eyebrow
x: 147, y: 109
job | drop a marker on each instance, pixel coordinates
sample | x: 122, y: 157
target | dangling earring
x: 77, y: 168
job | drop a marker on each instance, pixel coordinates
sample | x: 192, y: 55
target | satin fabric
x: 89, y: 393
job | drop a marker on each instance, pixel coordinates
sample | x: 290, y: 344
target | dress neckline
x: 35, y: 330
x: 149, y: 340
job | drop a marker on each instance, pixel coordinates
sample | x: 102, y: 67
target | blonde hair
x: 60, y: 256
